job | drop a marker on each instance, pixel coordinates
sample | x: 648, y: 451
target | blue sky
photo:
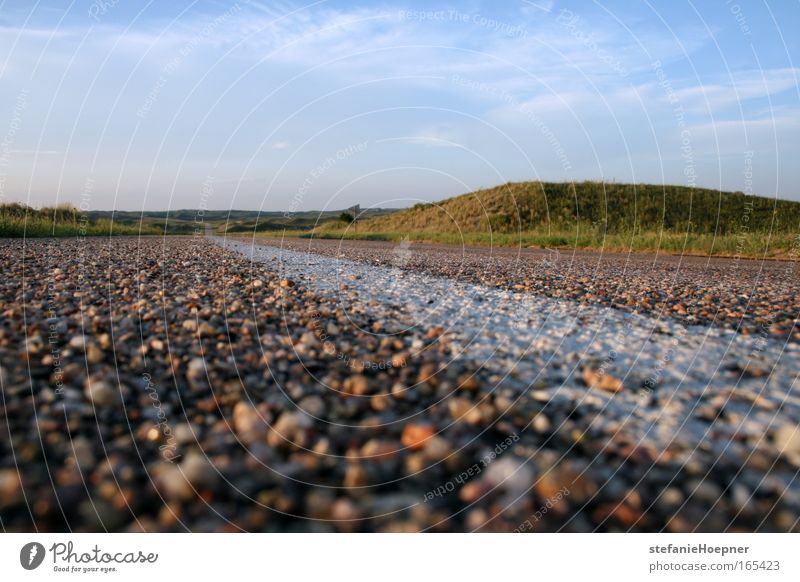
x: 276, y: 105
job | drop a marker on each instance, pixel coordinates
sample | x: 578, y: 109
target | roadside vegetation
x: 585, y: 215
x: 596, y: 215
x: 19, y: 220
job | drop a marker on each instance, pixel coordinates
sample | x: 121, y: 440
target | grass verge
x: 18, y: 221
x: 750, y: 245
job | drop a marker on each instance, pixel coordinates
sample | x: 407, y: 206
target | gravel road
x: 750, y: 296
x: 177, y: 385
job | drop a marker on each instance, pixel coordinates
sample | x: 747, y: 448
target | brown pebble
x: 357, y: 385
x: 101, y: 393
x: 94, y: 355
x: 463, y: 410
x: 10, y: 488
x: 601, y: 381
x: 355, y: 476
x: 248, y: 424
x: 469, y: 383
x: 415, y: 435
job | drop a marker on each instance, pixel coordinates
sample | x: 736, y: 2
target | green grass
x: 17, y: 220
x: 589, y: 215
x: 275, y: 223
x: 595, y: 206
x: 269, y: 234
x: 781, y: 245
x: 239, y: 222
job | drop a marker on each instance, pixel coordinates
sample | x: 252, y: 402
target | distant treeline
x: 598, y: 206
x: 18, y: 220
x: 291, y: 221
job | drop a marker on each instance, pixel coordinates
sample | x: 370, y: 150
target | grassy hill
x: 597, y: 214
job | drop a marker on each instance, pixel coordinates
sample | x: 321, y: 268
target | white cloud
x: 743, y: 86
x: 529, y: 8
x: 424, y: 140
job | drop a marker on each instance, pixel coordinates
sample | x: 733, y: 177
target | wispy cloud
x: 746, y: 85
x: 429, y: 140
